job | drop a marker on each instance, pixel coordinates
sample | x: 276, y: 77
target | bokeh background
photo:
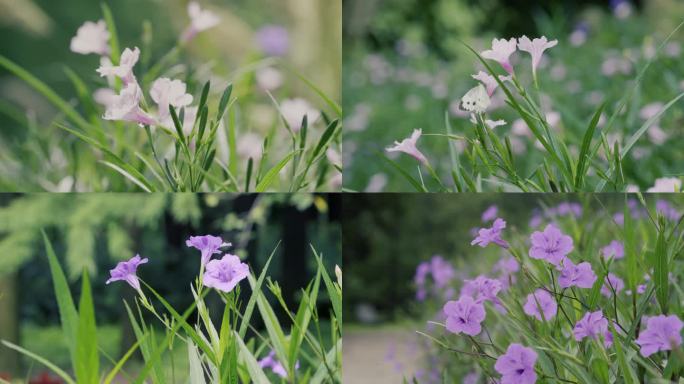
x: 95, y: 231
x: 35, y: 155
x: 386, y: 236
x: 405, y: 68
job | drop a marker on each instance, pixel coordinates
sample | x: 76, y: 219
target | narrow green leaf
x: 256, y: 288
x: 59, y: 372
x: 660, y: 268
x: 113, y: 36
x: 415, y: 183
x: 224, y: 102
x: 586, y: 146
x: 271, y: 174
x: 249, y: 174
x: 256, y: 374
x: 87, y: 359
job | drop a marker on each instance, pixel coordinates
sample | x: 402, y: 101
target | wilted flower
x: 464, y: 315
x: 593, y: 325
x: 517, y: 365
x: 226, y: 273
x: 125, y: 271
x: 501, y: 51
x: 615, y: 250
x: 408, y: 146
x: 294, y: 110
x: 207, y: 244
x: 662, y: 333
x: 200, y: 20
x: 536, y: 48
x: 124, y: 70
x: 550, y: 245
x: 580, y: 275
x: 273, y: 40
x: 612, y: 283
x: 91, y: 38
x: 491, y: 235
x: 126, y: 106
x: 167, y: 92
x: 540, y: 299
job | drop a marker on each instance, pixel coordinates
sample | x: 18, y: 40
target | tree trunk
x: 9, y: 323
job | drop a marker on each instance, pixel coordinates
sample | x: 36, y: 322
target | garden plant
x: 578, y: 296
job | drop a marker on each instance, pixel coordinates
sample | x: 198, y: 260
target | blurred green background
x: 95, y: 231
x: 405, y: 68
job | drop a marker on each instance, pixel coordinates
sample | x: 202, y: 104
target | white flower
x: 91, y: 38
x: 124, y: 70
x: 666, y: 184
x: 125, y: 106
x: 294, y: 110
x: 268, y: 78
x: 167, y: 92
x: 535, y: 48
x: 104, y: 96
x: 250, y: 145
x: 501, y: 51
x: 200, y: 20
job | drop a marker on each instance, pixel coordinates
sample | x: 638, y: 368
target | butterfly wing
x: 476, y: 100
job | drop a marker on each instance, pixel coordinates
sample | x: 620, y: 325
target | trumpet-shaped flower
x: 408, y: 146
x: 615, y: 250
x: 580, y: 275
x: 489, y: 81
x: 207, y: 244
x: 273, y: 40
x: 535, y: 48
x: 501, y: 52
x: 91, y: 38
x: 464, y: 316
x: 126, y: 106
x: 610, y: 284
x: 516, y: 366
x: 662, y: 333
x: 125, y: 271
x: 167, y: 92
x: 294, y: 110
x: 200, y: 20
x: 593, y: 325
x: 491, y: 235
x: 226, y: 273
x: 124, y: 70
x: 550, y: 245
x: 541, y: 302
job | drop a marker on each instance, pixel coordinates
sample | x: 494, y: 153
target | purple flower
x: 551, y: 245
x: 540, y: 299
x: 612, y: 283
x: 566, y: 208
x: 226, y: 273
x: 491, y: 235
x: 593, y: 325
x: 270, y: 361
x: 489, y: 214
x: 472, y: 378
x: 464, y: 315
x: 516, y: 366
x: 507, y: 267
x: 666, y: 209
x: 580, y: 275
x: 208, y: 244
x: 481, y: 289
x: 615, y: 250
x: 662, y: 333
x: 273, y: 40
x: 442, y: 271
x: 125, y: 271
x: 408, y: 146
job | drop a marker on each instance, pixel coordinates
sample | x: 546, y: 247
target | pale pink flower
x: 408, y: 146
x: 657, y: 135
x: 250, y: 145
x: 189, y: 117
x: 666, y: 184
x: 489, y: 81
x: 167, y: 92
x: 105, y: 61
x: 200, y: 20
x: 491, y: 124
x: 268, y: 78
x: 125, y: 106
x: 501, y: 51
x: 124, y: 70
x: 91, y: 38
x: 536, y: 48
x: 294, y: 110
x: 104, y: 96
x: 650, y: 110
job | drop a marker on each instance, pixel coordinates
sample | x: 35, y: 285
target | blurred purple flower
x: 481, y: 289
x: 472, y: 378
x: 662, y: 333
x: 593, y: 325
x: 550, y: 245
x: 270, y: 361
x: 612, y: 283
x: 540, y: 299
x: 464, y: 315
x: 506, y: 267
x: 442, y: 271
x: 615, y: 250
x: 491, y: 235
x: 517, y: 365
x: 580, y: 275
x: 489, y: 214
x: 666, y: 209
x: 408, y: 146
x: 125, y: 271
x: 207, y: 244
x: 226, y: 273
x: 273, y: 40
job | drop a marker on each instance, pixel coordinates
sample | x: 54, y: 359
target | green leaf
x: 87, y: 359
x: 256, y: 374
x: 224, y: 102
x: 586, y: 146
x: 334, y: 291
x: 272, y: 173
x: 41, y: 360
x: 113, y: 37
x: 249, y: 174
x: 324, y: 140
x: 417, y: 185
x: 256, y: 288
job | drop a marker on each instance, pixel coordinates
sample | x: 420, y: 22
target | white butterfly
x: 476, y: 100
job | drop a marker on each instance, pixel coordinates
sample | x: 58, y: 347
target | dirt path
x: 379, y: 355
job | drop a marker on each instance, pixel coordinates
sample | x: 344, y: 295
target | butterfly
x: 476, y: 100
